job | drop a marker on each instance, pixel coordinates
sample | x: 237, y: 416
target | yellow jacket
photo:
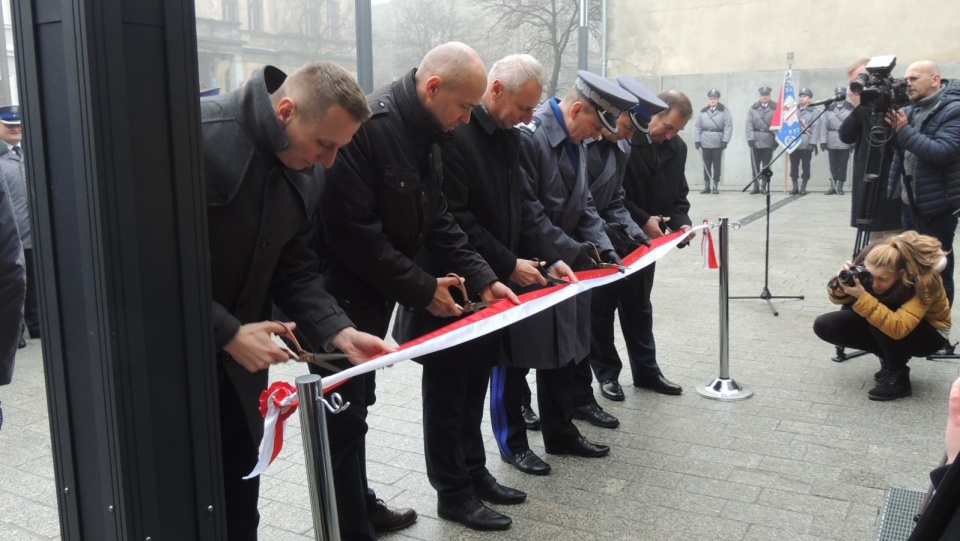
x: 898, y: 324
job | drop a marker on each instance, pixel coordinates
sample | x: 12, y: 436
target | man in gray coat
x: 711, y: 135
x: 11, y: 168
x: 760, y: 139
x: 828, y: 136
x: 12, y: 287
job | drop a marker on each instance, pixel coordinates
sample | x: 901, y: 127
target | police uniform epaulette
x: 379, y: 107
x: 531, y: 127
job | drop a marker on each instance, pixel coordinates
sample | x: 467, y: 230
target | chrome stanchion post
x: 316, y: 450
x: 724, y: 388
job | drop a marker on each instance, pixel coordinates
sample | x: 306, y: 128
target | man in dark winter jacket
x: 381, y: 204
x: 927, y: 177
x: 264, y: 145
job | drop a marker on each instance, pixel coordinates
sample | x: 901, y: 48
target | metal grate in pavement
x: 896, y: 517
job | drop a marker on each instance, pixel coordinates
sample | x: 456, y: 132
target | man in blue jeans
x: 927, y: 173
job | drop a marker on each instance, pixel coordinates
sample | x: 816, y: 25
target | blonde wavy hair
x: 920, y: 257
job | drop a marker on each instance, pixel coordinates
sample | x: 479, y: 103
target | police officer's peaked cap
x: 648, y: 104
x: 764, y: 90
x: 840, y: 90
x: 210, y: 92
x: 607, y: 98
x: 713, y: 93
x: 10, y: 114
x: 806, y: 92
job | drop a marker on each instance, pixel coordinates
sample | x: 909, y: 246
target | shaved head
x: 923, y: 79
x: 450, y: 82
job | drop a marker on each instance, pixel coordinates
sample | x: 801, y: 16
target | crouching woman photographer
x: 896, y: 310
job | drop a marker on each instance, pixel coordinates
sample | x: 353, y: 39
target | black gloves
x: 750, y: 143
x: 723, y: 145
x: 697, y: 144
x: 610, y: 256
x: 585, y: 257
x: 815, y: 151
x: 823, y: 147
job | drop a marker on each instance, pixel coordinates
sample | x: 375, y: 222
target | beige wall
x: 668, y: 37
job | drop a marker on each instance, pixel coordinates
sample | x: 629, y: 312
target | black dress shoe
x: 489, y: 490
x: 528, y: 462
x: 595, y: 415
x: 22, y: 344
x: 530, y: 418
x: 385, y: 519
x: 473, y: 514
x: 660, y: 385
x: 580, y: 447
x: 611, y: 390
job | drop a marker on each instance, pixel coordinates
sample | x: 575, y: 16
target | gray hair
x: 515, y: 70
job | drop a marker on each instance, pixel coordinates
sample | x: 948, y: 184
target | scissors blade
x: 323, y: 360
x: 476, y: 306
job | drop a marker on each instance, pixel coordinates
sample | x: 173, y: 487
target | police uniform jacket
x: 260, y: 231
x: 887, y: 214
x: 655, y: 183
x: 383, y: 202
x: 606, y: 165
x: 557, y: 189
x: 758, y: 125
x: 13, y: 285
x: 481, y: 182
x: 11, y: 168
x: 713, y: 127
x: 806, y: 115
x: 828, y: 127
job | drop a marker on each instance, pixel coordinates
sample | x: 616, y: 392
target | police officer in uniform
x: 759, y: 137
x: 711, y: 135
x: 553, y: 163
x: 800, y: 157
x: 381, y: 204
x: 838, y: 152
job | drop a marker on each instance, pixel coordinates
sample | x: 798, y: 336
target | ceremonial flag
x: 786, y: 121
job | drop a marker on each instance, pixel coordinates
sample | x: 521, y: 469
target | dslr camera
x: 877, y: 88
x: 859, y: 272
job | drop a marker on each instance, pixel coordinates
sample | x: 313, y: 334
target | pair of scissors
x: 600, y: 264
x: 459, y: 294
x: 318, y: 359
x: 551, y: 279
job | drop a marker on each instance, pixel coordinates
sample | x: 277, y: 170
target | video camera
x: 877, y: 88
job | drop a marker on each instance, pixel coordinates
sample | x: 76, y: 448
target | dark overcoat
x: 856, y: 132
x: 260, y: 231
x: 382, y: 203
x: 655, y: 182
x: 481, y: 181
x: 13, y: 285
x: 606, y: 165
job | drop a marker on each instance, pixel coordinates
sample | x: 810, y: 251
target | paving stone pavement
x: 808, y: 457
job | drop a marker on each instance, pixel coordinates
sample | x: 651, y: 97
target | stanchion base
x: 724, y: 389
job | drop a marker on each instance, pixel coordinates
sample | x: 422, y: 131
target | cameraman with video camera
x: 926, y: 175
x: 895, y: 307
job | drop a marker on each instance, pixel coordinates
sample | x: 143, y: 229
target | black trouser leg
x: 838, y: 163
x: 795, y: 166
x: 636, y: 322
x: 604, y: 359
x: 556, y: 407
x: 849, y: 329
x: 452, y: 411
x: 507, y: 385
x: 31, y: 310
x: 581, y: 385
x: 805, y: 156
x: 239, y: 454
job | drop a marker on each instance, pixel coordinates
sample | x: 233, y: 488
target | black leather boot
x: 795, y: 190
x: 803, y: 187
x: 840, y: 187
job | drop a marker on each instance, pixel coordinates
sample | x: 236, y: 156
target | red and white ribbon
x: 706, y: 248
x: 276, y: 404
x: 492, y: 318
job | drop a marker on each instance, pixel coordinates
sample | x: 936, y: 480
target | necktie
x: 16, y: 150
